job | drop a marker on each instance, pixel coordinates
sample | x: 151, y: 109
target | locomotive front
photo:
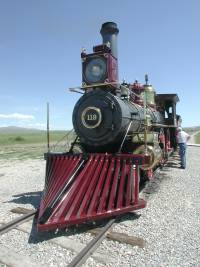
x: 105, y: 114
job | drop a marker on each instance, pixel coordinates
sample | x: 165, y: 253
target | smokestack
x: 109, y: 33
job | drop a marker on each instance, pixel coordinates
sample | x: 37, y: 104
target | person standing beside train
x: 182, y: 138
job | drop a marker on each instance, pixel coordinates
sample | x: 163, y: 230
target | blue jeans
x: 182, y: 153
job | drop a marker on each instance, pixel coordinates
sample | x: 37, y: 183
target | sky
x: 41, y: 41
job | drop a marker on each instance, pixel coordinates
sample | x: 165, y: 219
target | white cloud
x: 17, y: 116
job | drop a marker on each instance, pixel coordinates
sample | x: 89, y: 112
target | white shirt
x: 182, y: 137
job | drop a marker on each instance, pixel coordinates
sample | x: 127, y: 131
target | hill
x: 192, y: 130
x: 15, y: 129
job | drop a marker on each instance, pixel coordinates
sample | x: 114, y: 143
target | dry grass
x: 32, y: 144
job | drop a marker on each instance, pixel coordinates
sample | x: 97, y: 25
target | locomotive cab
x: 167, y: 104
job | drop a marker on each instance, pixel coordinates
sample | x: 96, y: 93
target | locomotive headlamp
x: 95, y: 70
x: 91, y: 117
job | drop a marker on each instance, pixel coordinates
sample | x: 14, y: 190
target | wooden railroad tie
x: 112, y: 235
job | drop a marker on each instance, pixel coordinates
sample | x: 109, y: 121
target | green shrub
x: 19, y: 139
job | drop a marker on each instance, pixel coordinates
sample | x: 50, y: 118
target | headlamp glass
x: 95, y: 70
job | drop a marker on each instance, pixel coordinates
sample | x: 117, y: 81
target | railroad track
x: 16, y: 222
x: 83, y: 252
x: 92, y: 246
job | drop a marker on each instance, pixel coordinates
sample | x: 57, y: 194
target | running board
x: 79, y: 189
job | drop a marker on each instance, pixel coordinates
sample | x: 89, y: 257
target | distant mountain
x: 191, y: 130
x: 15, y: 129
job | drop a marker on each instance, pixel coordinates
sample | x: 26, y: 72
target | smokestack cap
x: 109, y: 28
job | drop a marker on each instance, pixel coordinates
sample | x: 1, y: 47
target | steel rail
x: 91, y: 247
x: 12, y: 224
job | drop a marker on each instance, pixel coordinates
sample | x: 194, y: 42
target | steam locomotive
x: 124, y: 131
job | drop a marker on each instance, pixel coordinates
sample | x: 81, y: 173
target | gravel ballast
x: 169, y: 225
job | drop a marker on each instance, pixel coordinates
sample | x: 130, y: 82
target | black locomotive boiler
x: 124, y: 131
